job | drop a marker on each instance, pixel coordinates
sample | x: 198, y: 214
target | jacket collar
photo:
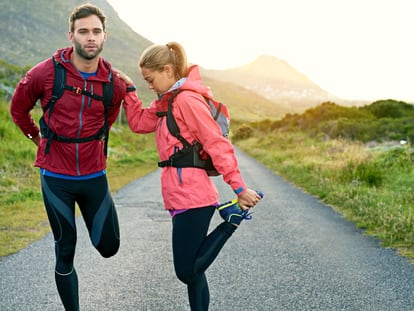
x: 63, y: 56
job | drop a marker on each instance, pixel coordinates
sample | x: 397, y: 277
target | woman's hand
x: 248, y: 199
x: 123, y: 76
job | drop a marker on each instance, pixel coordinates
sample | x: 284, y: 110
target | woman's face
x: 159, y: 81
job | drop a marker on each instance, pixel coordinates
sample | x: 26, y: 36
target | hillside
x: 36, y: 29
x: 33, y: 34
x: 382, y: 121
x: 279, y: 82
x: 244, y: 104
x: 266, y: 88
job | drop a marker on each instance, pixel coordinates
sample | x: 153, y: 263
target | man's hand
x: 36, y: 140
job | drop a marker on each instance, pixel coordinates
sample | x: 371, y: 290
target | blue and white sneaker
x: 233, y: 213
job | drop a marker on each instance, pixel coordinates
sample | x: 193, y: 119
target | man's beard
x: 87, y: 55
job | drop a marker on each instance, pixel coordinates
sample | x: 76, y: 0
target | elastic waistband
x: 46, y: 172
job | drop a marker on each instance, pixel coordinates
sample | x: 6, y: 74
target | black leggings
x: 98, y: 211
x: 194, y: 251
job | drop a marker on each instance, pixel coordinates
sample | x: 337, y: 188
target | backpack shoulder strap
x: 171, y: 122
x: 108, y: 92
x: 58, y: 85
x: 57, y: 92
x: 218, y: 109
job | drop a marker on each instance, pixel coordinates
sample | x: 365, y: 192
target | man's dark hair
x: 83, y: 11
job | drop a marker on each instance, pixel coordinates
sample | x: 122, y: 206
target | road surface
x: 296, y: 254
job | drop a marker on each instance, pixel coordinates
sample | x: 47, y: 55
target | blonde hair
x: 157, y: 56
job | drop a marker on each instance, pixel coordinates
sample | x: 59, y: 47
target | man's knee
x: 108, y: 249
x: 64, y: 258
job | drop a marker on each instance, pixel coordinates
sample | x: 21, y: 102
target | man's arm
x: 25, y: 96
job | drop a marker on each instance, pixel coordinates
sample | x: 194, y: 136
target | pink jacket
x: 191, y: 188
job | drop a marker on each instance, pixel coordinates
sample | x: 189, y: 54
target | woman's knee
x: 184, y: 273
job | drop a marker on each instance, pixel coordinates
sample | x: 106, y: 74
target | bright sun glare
x: 353, y: 49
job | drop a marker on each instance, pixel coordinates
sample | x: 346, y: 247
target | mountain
x: 245, y: 104
x: 279, y: 82
x: 31, y: 31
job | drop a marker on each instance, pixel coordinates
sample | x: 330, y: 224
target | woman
x: 188, y: 193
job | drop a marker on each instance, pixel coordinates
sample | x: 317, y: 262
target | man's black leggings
x: 194, y: 251
x: 98, y: 211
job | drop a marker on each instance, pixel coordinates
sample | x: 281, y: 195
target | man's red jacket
x: 74, y: 115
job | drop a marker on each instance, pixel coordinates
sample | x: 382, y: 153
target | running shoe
x: 232, y: 212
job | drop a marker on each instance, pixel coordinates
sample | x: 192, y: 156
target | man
x: 71, y: 151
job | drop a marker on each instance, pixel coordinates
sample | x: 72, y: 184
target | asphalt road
x: 296, y: 254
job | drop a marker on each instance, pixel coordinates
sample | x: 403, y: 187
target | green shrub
x: 390, y: 109
x: 242, y: 132
x: 366, y: 172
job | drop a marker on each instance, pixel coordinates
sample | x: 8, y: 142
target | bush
x: 366, y: 172
x: 242, y: 132
x: 390, y: 109
x: 396, y: 159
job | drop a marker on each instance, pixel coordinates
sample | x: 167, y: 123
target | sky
x: 354, y: 49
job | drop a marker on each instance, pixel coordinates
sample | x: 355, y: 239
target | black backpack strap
x: 189, y: 155
x: 80, y: 91
x: 173, y: 126
x: 172, y: 123
x: 59, y: 86
x: 108, y: 92
x: 57, y: 92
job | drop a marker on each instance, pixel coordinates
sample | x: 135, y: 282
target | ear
x: 70, y: 36
x: 169, y: 71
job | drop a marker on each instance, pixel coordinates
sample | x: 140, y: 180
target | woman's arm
x: 140, y: 120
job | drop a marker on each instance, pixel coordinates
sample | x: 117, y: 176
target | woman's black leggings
x: 194, y: 251
x: 98, y: 211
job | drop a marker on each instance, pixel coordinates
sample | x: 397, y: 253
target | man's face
x: 88, y: 37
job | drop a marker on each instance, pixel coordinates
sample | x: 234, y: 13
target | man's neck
x: 85, y: 65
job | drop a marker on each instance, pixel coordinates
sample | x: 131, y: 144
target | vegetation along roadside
x: 357, y: 160
x: 349, y: 157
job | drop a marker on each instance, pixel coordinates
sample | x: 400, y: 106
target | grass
x: 371, y: 187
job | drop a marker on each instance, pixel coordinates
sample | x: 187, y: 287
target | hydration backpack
x: 193, y: 155
x: 59, y: 86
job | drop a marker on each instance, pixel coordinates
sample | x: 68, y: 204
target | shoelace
x: 247, y: 215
